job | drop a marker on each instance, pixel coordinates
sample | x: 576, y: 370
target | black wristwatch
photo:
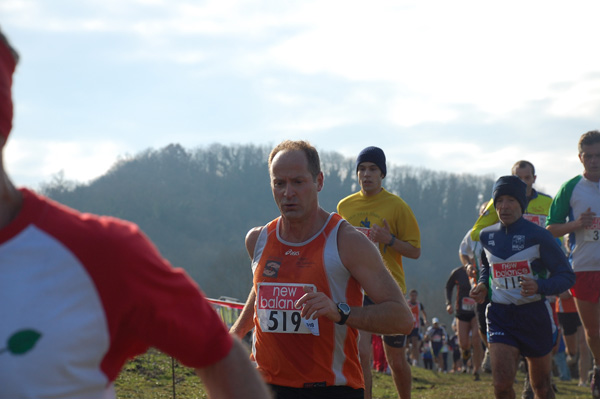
x: 344, y: 311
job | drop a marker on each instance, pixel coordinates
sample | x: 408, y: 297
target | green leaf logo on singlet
x: 21, y: 342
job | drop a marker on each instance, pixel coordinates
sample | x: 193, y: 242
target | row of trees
x: 197, y: 205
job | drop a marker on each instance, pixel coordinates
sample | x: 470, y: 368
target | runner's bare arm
x: 560, y: 229
x: 464, y: 259
x: 233, y: 377
x: 404, y: 248
x: 245, y: 322
x: 390, y: 314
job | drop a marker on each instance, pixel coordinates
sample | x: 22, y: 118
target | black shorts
x: 456, y: 355
x: 332, y: 392
x: 415, y: 333
x: 569, y: 322
x: 395, y: 341
x: 466, y: 317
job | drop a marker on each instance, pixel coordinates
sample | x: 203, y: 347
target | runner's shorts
x: 569, y: 322
x: 587, y: 286
x: 415, y: 333
x: 465, y: 316
x: 528, y: 327
x: 437, y: 347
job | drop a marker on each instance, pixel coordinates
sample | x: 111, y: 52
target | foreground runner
x: 81, y: 294
x: 306, y: 302
x: 576, y: 211
x: 536, y: 209
x: 521, y: 264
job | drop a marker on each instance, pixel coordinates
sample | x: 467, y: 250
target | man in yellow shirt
x: 391, y: 225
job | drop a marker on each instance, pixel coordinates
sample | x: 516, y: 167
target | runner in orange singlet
x: 305, y: 304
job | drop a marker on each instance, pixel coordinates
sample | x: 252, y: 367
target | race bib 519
x: 276, y: 310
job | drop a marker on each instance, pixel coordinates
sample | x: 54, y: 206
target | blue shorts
x: 437, y: 347
x: 529, y: 327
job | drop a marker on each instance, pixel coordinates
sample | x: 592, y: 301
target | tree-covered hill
x: 198, y: 204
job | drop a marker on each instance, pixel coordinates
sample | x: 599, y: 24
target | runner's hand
x: 479, y: 293
x: 529, y: 286
x: 471, y: 270
x: 381, y: 234
x: 317, y: 304
x: 586, y: 218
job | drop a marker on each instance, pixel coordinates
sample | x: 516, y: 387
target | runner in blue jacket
x: 522, y: 263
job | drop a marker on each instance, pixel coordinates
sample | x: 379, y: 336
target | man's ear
x: 320, y: 179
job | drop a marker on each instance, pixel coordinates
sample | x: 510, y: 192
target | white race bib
x: 276, y: 310
x: 592, y: 233
x: 468, y: 304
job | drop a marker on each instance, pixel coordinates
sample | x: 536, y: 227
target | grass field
x: 150, y: 377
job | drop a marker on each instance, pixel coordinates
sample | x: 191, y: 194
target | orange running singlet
x: 289, y: 350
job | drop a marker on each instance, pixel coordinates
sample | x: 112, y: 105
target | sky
x: 460, y: 87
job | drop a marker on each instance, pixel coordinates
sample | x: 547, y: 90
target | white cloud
x: 580, y: 100
x: 410, y: 111
x: 500, y: 57
x: 464, y: 86
x: 36, y: 161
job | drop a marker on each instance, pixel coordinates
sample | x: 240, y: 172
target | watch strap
x: 343, y: 315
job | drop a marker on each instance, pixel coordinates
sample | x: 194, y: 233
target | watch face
x: 344, y: 308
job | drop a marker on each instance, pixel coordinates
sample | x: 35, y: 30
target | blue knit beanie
x: 513, y: 186
x: 372, y: 154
